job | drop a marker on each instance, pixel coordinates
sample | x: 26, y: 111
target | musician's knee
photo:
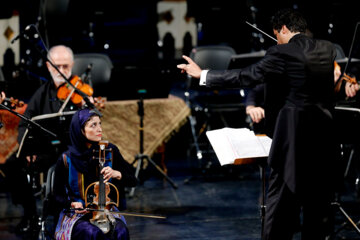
x: 121, y: 231
x: 85, y: 230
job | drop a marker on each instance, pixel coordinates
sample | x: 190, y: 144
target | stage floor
x: 211, y: 202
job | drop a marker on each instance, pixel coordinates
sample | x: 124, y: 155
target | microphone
x: 86, y: 75
x: 22, y: 34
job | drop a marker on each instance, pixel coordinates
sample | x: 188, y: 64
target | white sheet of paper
x: 234, y: 143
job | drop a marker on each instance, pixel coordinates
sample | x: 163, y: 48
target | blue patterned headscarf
x: 78, y: 151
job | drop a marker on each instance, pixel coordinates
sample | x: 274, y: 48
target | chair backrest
x: 49, y: 191
x: 50, y: 211
x: 101, y: 67
x: 339, y: 52
x: 215, y: 57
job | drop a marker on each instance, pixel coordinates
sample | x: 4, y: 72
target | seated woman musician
x: 90, y: 163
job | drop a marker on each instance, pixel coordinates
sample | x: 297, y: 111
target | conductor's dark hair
x: 292, y: 19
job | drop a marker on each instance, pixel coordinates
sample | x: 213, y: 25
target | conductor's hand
x: 351, y: 89
x: 256, y: 113
x: 191, y: 68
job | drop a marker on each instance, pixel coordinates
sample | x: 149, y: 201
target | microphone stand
x: 141, y: 156
x: 27, y: 120
x: 31, y: 124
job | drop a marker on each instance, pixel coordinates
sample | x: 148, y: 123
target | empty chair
x: 215, y: 57
x: 50, y: 213
x: 339, y: 52
x: 209, y: 106
x: 94, y: 69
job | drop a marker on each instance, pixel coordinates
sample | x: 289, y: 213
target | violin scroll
x: 12, y: 103
x: 349, y: 79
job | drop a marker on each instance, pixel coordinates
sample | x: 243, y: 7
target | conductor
x: 298, y: 74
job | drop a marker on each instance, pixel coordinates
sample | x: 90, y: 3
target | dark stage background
x: 209, y: 197
x: 127, y: 32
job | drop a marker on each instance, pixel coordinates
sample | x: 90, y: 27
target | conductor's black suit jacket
x: 299, y: 101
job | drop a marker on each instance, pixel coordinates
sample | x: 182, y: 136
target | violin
x: 66, y: 91
x: 12, y: 103
x: 101, y: 202
x: 345, y: 77
x: 99, y: 102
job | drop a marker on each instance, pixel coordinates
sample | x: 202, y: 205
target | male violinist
x: 298, y: 74
x: 35, y: 157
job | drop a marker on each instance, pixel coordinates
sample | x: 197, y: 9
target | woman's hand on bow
x: 78, y: 205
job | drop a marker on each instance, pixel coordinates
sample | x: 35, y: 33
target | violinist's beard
x: 58, y: 79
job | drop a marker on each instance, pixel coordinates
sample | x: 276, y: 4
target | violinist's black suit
x: 299, y: 101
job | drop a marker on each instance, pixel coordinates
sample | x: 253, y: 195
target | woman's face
x: 93, y: 130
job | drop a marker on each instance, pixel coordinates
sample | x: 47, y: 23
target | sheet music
x: 230, y: 144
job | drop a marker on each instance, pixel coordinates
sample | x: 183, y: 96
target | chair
x: 215, y: 57
x: 210, y: 102
x: 47, y: 225
x: 95, y: 67
x: 340, y: 54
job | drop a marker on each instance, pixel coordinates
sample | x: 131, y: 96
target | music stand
x: 262, y: 163
x: 336, y: 203
x: 141, y: 156
x: 60, y: 113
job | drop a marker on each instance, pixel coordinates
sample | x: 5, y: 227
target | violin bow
x: 351, y: 49
x: 115, y: 212
x: 68, y: 98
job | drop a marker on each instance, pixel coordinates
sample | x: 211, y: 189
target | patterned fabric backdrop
x: 9, y: 133
x: 162, y: 118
